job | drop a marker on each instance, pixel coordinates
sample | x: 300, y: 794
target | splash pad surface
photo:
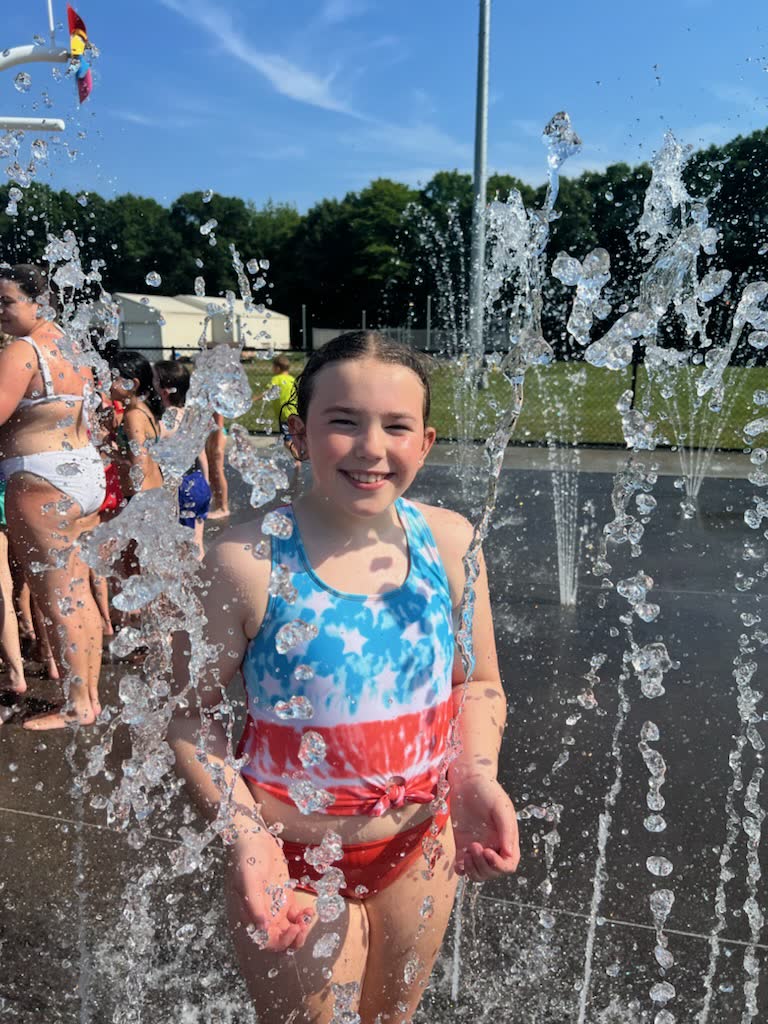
x: 70, y: 956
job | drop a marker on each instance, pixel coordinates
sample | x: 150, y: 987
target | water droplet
x: 207, y: 228
x: 297, y: 707
x: 659, y: 866
x: 82, y: 200
x: 655, y: 823
x: 153, y: 279
x: 275, y: 524
x: 208, y: 195
x: 664, y: 958
x: 326, y: 945
x: 662, y: 992
x: 547, y: 919
x: 312, y: 749
x: 412, y: 969
x: 23, y: 81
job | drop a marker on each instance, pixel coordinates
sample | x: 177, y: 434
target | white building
x: 159, y: 326
x: 261, y: 331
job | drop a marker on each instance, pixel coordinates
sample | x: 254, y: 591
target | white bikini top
x: 50, y: 395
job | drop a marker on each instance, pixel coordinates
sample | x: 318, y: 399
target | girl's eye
x: 399, y: 426
x: 341, y: 422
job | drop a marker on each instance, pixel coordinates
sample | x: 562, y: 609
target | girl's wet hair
x: 358, y: 345
x: 173, y: 376
x: 32, y: 281
x: 132, y: 365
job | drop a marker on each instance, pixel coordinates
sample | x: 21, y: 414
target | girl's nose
x: 370, y: 442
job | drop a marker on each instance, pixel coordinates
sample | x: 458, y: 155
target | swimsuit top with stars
x: 355, y: 717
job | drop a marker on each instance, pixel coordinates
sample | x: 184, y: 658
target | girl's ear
x: 298, y: 435
x: 430, y: 436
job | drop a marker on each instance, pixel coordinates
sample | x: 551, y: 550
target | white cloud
x: 738, y: 95
x: 419, y: 139
x: 284, y: 76
x: 335, y: 11
x: 132, y: 117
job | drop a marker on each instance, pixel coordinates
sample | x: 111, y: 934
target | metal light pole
x: 477, y: 260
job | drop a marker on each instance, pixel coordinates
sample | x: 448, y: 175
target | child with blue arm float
x: 361, y: 646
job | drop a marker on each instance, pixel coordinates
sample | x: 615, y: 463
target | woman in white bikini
x: 54, y: 486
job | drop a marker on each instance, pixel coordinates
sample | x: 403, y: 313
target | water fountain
x: 676, y: 229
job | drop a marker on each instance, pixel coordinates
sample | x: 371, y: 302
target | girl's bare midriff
x: 52, y: 427
x: 357, y: 828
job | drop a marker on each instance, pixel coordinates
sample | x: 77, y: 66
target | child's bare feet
x: 17, y: 684
x: 219, y: 513
x: 65, y: 717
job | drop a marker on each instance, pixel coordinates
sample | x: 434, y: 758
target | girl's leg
x: 42, y: 534
x: 44, y: 652
x: 292, y: 986
x: 214, y: 449
x: 199, y: 529
x: 21, y: 599
x: 378, y: 939
x: 9, y: 629
x: 400, y: 936
x: 100, y: 593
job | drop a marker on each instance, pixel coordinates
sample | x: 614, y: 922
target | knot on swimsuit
x: 396, y: 794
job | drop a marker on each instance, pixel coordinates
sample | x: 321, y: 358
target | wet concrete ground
x: 69, y: 952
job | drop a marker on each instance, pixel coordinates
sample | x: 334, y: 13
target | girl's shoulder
x: 140, y: 420
x: 237, y: 568
x: 453, y: 535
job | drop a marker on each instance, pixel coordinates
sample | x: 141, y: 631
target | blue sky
x: 305, y: 99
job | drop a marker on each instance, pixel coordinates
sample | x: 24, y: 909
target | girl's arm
x: 485, y: 823
x: 234, y: 604
x: 17, y: 368
x: 482, y: 704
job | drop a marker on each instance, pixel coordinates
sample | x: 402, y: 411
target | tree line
x: 369, y: 250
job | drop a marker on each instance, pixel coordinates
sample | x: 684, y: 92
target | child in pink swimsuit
x: 361, y: 796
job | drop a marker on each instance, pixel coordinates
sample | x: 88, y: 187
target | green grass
x: 574, y: 401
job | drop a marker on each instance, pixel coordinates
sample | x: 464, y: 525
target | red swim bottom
x: 113, y: 498
x: 370, y: 867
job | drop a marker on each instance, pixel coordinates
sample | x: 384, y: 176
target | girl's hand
x: 485, y: 829
x: 255, y: 880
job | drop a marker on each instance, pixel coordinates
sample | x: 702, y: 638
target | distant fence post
x: 635, y: 364
x: 306, y: 338
x: 362, y: 321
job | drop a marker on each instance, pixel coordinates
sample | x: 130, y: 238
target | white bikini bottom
x: 78, y: 473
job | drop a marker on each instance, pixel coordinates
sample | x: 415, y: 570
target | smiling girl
x: 363, y: 652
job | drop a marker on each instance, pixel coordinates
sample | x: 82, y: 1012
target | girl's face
x: 365, y: 435
x: 18, y: 313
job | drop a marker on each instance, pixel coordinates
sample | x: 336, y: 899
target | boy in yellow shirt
x: 285, y: 403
